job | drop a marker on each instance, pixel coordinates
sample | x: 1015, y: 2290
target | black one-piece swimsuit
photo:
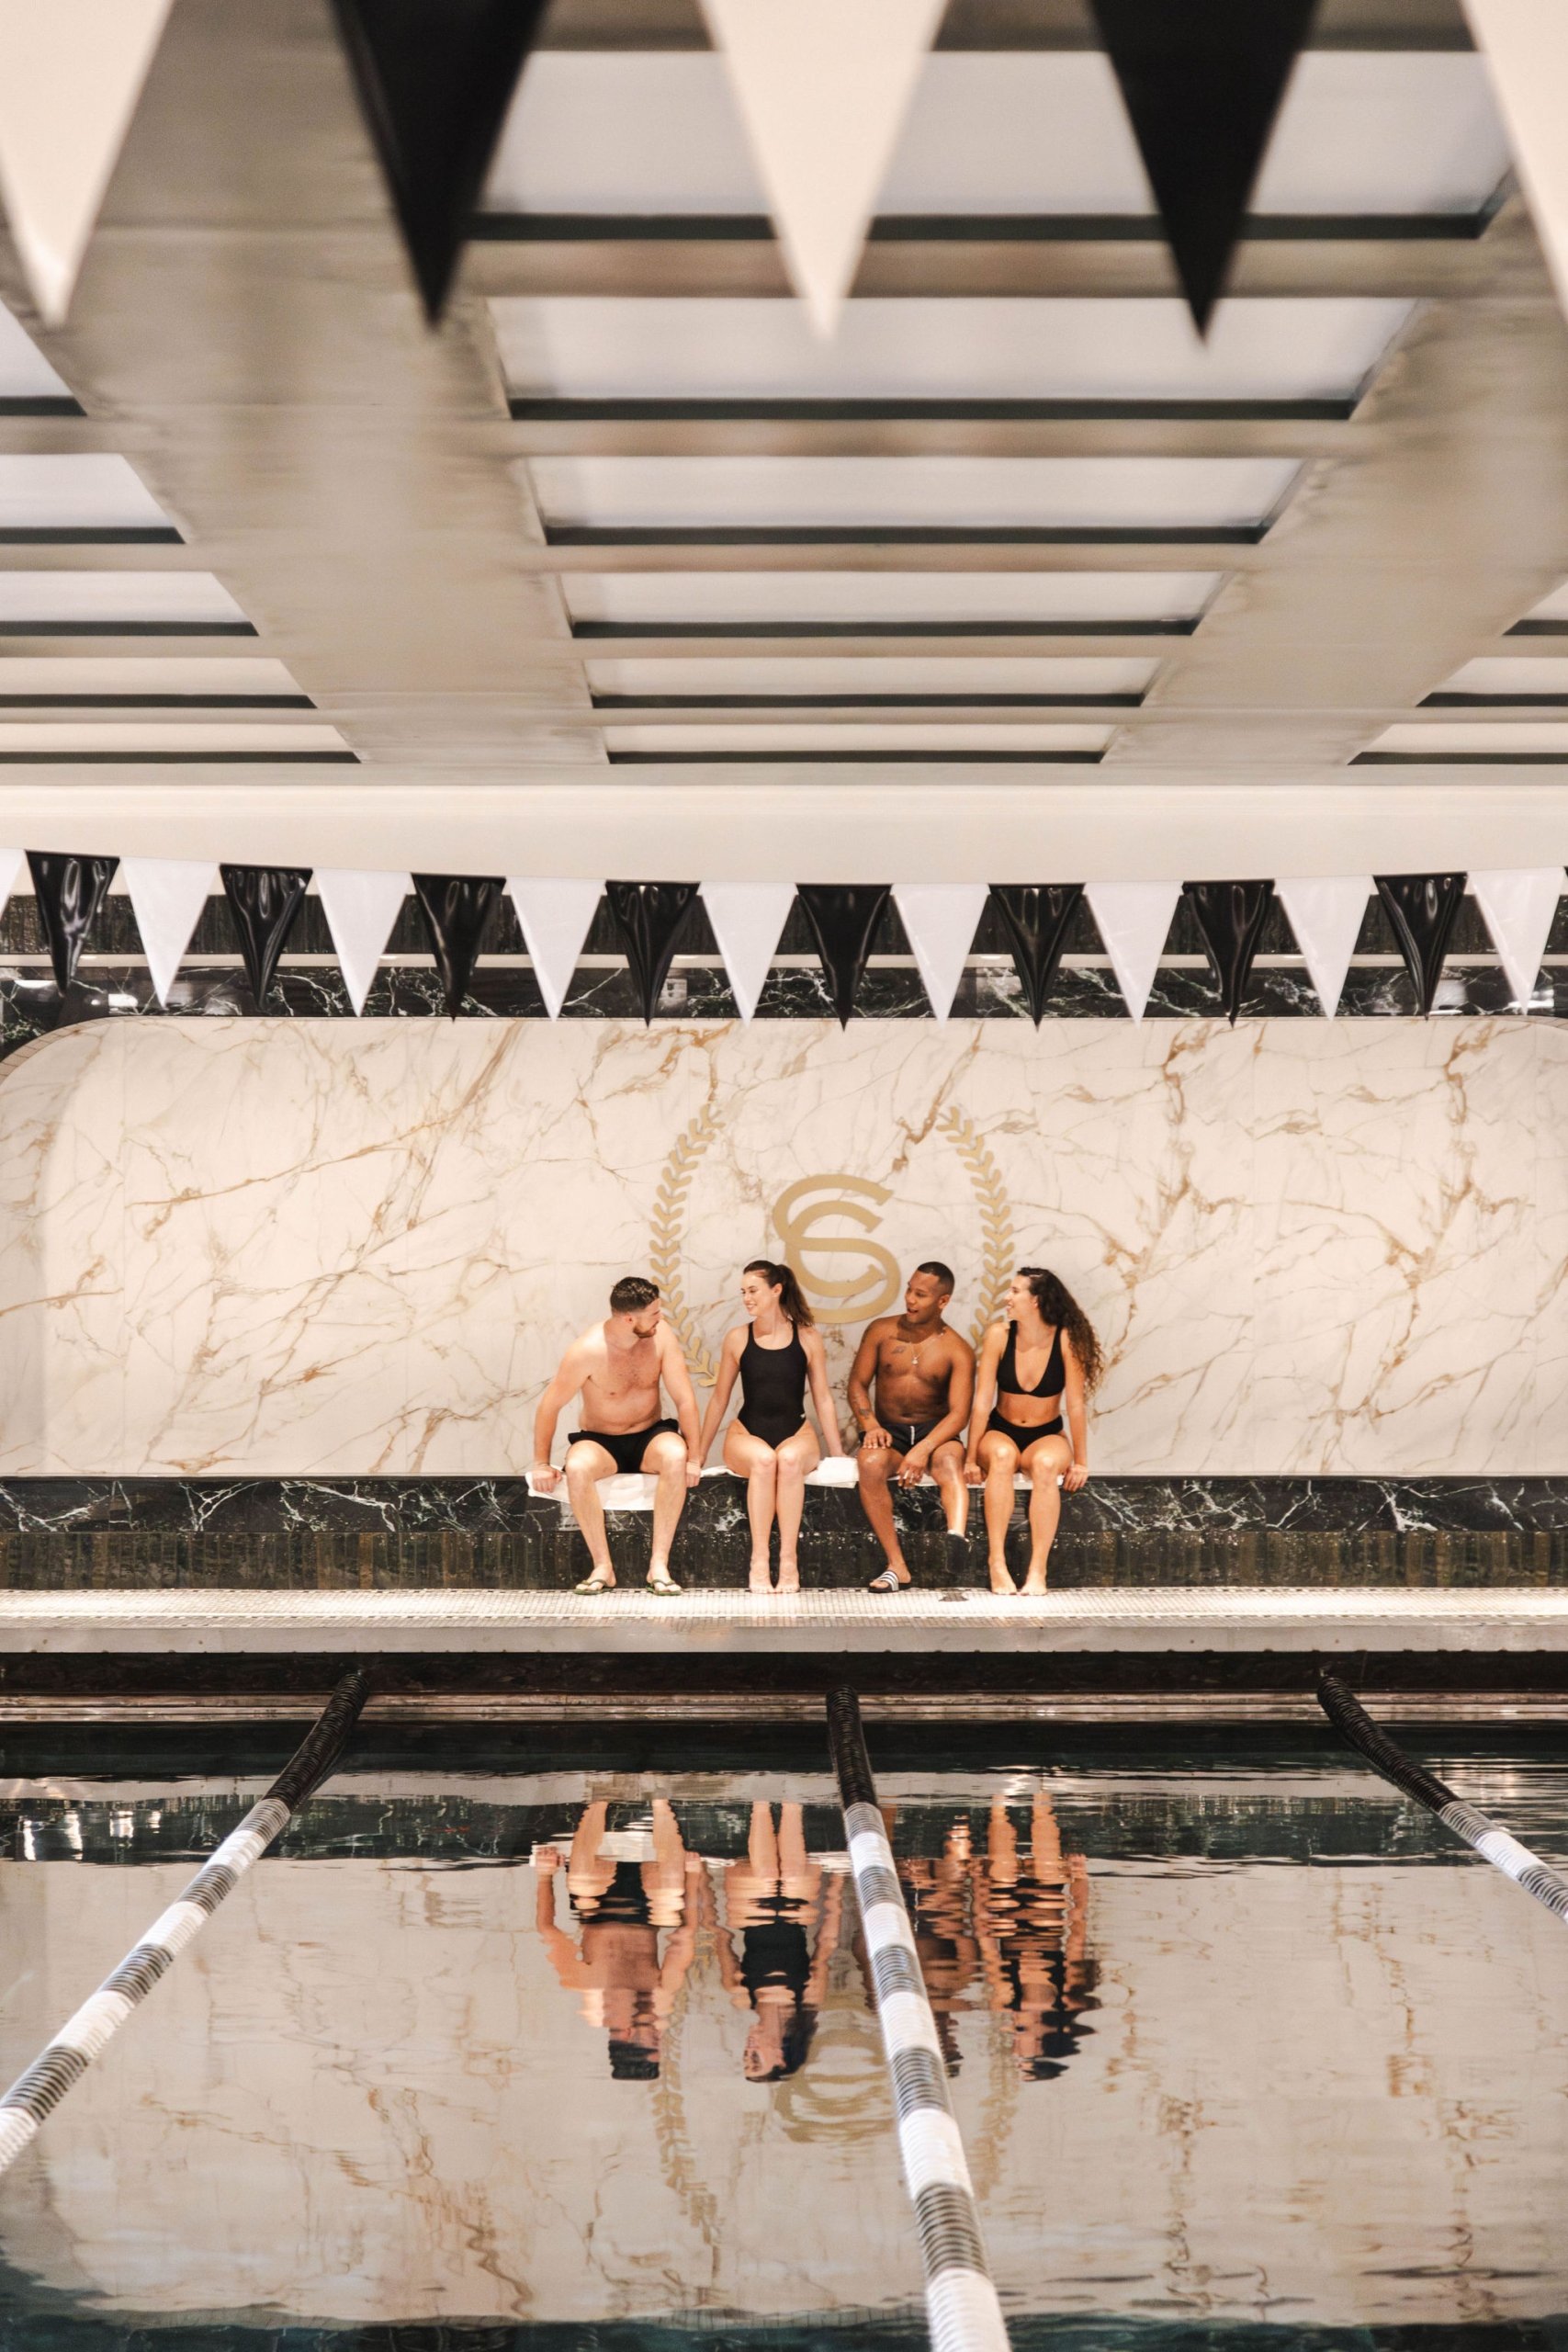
x: 772, y: 1389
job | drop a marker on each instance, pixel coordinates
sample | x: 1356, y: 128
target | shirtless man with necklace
x: 924, y: 1374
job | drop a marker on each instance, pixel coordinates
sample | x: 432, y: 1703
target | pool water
x: 1243, y: 2048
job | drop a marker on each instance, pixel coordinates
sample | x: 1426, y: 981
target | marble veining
x: 306, y: 1249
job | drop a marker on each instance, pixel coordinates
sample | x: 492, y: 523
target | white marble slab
x: 326, y: 1247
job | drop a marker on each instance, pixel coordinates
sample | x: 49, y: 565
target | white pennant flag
x: 167, y: 895
x: 823, y: 89
x: 941, y: 920
x: 1327, y: 918
x: 1134, y: 922
x: 1525, y: 43
x: 71, y: 73
x: 360, y: 909
x: 555, y: 916
x: 1519, y: 908
x: 11, y: 863
x: 747, y: 918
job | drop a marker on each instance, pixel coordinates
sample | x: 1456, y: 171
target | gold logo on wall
x: 856, y: 1201
x: 871, y: 1284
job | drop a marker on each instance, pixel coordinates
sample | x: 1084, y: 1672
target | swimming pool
x: 579, y: 2052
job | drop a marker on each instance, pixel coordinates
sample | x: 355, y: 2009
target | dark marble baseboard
x: 389, y: 1533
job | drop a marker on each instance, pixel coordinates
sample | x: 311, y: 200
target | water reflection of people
x: 1016, y: 1926
x: 627, y: 1986
x: 778, y: 1973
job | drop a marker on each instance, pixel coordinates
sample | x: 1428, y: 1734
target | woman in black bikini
x: 770, y: 1443
x: 1044, y: 1356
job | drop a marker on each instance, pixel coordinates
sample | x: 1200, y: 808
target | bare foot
x: 1001, y: 1577
x: 1034, y: 1586
x: 789, y: 1575
x: 760, y: 1578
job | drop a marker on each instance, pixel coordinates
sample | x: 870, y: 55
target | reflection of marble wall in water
x: 1334, y: 2097
x: 295, y: 1246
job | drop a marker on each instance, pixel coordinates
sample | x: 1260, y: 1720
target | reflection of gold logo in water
x: 856, y: 1199
x: 870, y: 1292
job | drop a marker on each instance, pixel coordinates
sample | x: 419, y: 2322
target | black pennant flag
x: 1201, y: 81
x: 455, y: 907
x: 264, y: 901
x: 1037, y: 917
x: 435, y: 79
x: 69, y: 891
x: 649, y: 916
x: 843, y: 918
x: 1422, y: 910
x: 1230, y: 916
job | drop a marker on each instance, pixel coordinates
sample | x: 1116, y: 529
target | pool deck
x: 1171, y: 1620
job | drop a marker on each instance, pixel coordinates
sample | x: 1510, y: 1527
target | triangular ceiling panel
x: 435, y: 79
x: 167, y: 896
x: 1202, y: 81
x: 823, y: 90
x: 71, y: 73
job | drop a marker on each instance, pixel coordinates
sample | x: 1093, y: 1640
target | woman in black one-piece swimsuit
x: 1042, y: 1360
x: 776, y: 1356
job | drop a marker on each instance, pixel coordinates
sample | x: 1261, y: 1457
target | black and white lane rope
x: 1493, y: 1842
x: 961, y: 2310
x: 34, y: 2096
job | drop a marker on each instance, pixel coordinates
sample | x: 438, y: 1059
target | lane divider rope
x: 961, y: 2310
x: 1489, y: 1839
x: 36, y: 2092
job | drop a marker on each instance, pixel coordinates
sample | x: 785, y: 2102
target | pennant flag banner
x: 11, y: 863
x: 71, y: 73
x: 748, y: 921
x: 360, y: 909
x: 69, y: 891
x: 167, y: 896
x: 1230, y: 916
x: 843, y: 918
x: 941, y: 920
x: 1134, y: 924
x: 555, y: 918
x: 1519, y: 908
x: 823, y: 90
x: 1327, y: 918
x: 1201, y: 81
x: 1525, y: 43
x: 456, y: 908
x: 1037, y: 917
x: 264, y: 901
x: 649, y: 916
x: 1422, y: 909
x: 435, y: 79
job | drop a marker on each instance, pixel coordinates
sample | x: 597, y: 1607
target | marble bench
x: 633, y: 1490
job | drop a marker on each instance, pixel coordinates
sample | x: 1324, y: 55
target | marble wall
x: 317, y: 1248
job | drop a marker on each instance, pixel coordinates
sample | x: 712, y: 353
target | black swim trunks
x: 626, y: 1448
x: 907, y: 1435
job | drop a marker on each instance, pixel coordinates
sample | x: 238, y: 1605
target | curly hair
x: 1057, y: 1305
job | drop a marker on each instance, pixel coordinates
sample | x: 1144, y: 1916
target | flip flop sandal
x: 663, y: 1585
x: 888, y: 1582
x: 594, y: 1584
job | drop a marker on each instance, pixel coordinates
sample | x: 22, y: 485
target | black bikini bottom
x: 626, y: 1448
x: 1021, y: 1435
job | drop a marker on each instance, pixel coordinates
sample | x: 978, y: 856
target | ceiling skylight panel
x: 985, y: 351
x: 78, y: 498
x: 756, y: 602
x: 868, y: 680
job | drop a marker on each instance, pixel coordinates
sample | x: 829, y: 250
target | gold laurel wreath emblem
x: 668, y: 1222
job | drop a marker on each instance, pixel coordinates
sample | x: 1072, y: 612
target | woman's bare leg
x: 758, y: 1465
x: 796, y: 1456
x: 998, y: 1459
x: 1044, y: 1460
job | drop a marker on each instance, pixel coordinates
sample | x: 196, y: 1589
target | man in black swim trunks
x: 924, y: 1374
x: 618, y: 1368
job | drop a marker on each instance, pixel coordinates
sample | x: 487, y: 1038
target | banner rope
x: 961, y: 2310
x: 1490, y: 1839
x: 37, y: 2091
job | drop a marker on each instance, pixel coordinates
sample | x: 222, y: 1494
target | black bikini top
x: 1052, y: 1380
